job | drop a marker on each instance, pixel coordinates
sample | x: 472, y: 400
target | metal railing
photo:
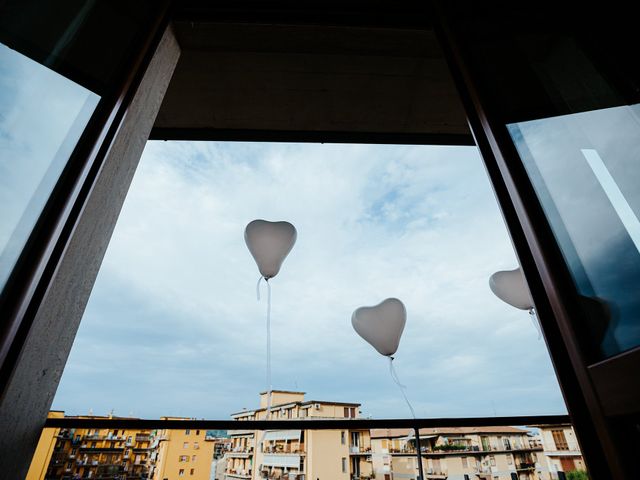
x: 310, y: 424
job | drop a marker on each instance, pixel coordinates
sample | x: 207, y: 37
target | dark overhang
x: 332, y: 72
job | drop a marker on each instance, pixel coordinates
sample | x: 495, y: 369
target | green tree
x: 577, y: 475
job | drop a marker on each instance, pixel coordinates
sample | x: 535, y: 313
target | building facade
x: 80, y: 453
x: 299, y: 454
x: 121, y: 454
x: 463, y: 453
x: 180, y: 454
x: 561, y: 452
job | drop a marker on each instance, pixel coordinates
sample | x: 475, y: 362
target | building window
x: 187, y: 431
x: 492, y: 460
x: 181, y: 472
x: 185, y: 445
x: 197, y: 432
x: 195, y: 445
x: 192, y: 471
x: 344, y: 465
x: 509, y: 460
x: 184, y: 458
x: 465, y: 464
x: 349, y: 412
x: 507, y: 444
x: 560, y: 440
x: 343, y: 438
x: 485, y: 443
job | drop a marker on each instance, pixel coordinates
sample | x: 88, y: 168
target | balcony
x: 285, y: 449
x: 231, y: 473
x: 435, y: 475
x: 101, y: 449
x: 359, y: 450
x: 281, y: 460
x: 525, y: 466
x: 238, y: 454
x: 284, y: 476
x: 403, y: 451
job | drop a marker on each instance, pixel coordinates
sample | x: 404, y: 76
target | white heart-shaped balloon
x: 511, y: 287
x: 269, y: 243
x: 381, y: 325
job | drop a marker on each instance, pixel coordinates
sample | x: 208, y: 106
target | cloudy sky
x: 173, y: 326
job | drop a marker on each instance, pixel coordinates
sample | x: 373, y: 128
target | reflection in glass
x: 42, y: 117
x: 585, y: 169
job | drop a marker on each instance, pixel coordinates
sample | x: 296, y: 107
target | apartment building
x: 180, y: 454
x: 121, y: 454
x: 299, y: 454
x: 561, y: 452
x: 107, y: 453
x: 463, y: 453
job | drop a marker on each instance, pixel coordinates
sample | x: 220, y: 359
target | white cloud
x: 173, y: 326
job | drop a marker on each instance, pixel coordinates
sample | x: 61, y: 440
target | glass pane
x: 568, y: 97
x: 585, y: 168
x: 87, y: 41
x: 43, y: 116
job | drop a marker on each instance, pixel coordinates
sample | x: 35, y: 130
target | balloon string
x: 536, y: 322
x: 269, y: 385
x: 396, y: 379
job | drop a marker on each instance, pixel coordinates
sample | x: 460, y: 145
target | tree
x: 577, y: 475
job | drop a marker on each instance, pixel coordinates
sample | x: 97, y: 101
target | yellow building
x: 180, y: 454
x: 90, y: 453
x: 299, y: 454
x: 121, y: 454
x: 481, y: 453
x: 44, y: 450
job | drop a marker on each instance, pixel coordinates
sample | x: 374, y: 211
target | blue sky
x: 173, y: 326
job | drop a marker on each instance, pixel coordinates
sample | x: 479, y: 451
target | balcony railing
x: 282, y: 476
x: 359, y: 450
x: 297, y: 449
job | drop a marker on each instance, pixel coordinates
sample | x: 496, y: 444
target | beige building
x: 561, y: 451
x: 299, y: 454
x: 180, y: 454
x: 462, y: 453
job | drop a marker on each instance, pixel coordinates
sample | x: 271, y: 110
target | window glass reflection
x: 42, y: 115
x: 585, y: 169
